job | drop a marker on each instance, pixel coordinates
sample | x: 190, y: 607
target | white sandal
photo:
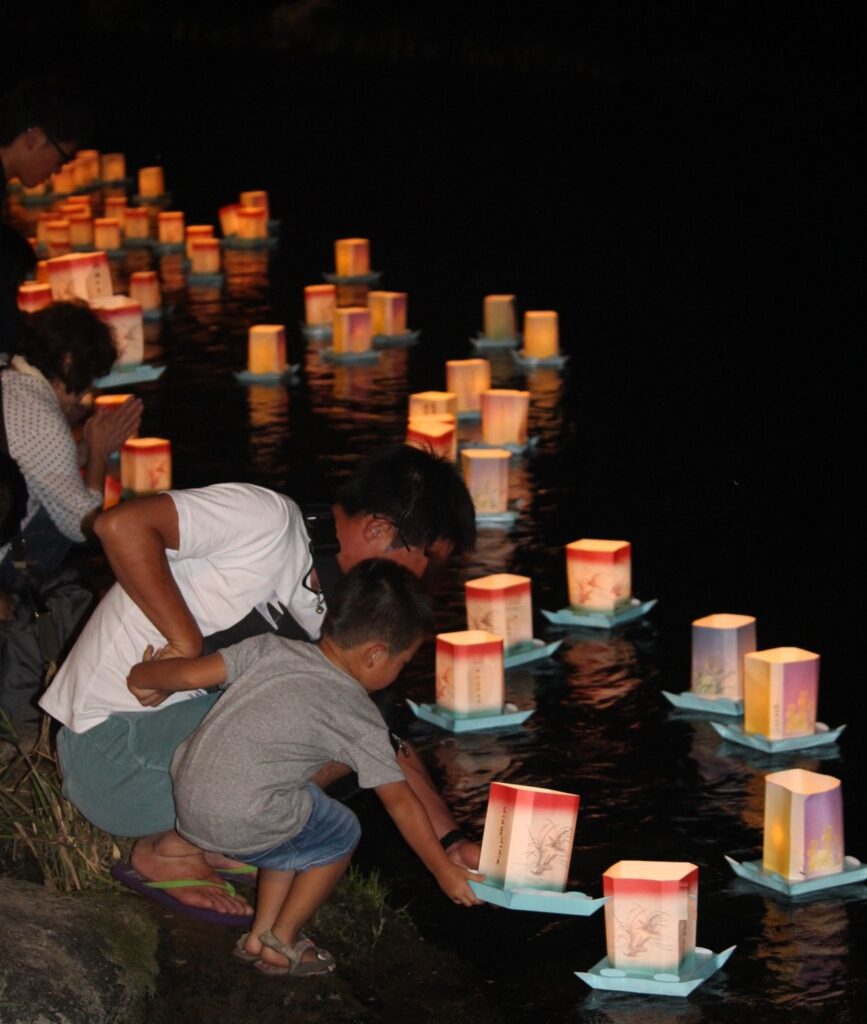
x: 298, y: 967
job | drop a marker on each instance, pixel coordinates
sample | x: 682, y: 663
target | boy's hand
x: 453, y: 882
x: 137, y: 686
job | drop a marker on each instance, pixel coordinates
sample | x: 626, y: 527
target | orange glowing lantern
x: 151, y: 182
x: 435, y: 434
x: 486, y: 474
x: 352, y: 257
x: 32, y: 296
x: 195, y: 233
x: 106, y: 233
x: 499, y: 317
x: 57, y: 237
x: 86, y: 167
x: 433, y: 403
x: 113, y: 167
x: 79, y: 275
x: 528, y: 837
x: 228, y: 219
x: 42, y: 220
x: 468, y: 378
x: 124, y: 317
x: 115, y: 206
x: 469, y: 673
x: 599, y: 574
x: 42, y: 272
x: 352, y: 329
x: 63, y: 182
x: 266, y: 349
x: 781, y: 690
x: 502, y: 604
x: 252, y: 222
x: 144, y: 288
x: 387, y: 312
x: 256, y: 198
x: 206, y: 256
x: 803, y: 825
x: 136, y: 222
x: 504, y: 416
x: 170, y: 227
x: 719, y: 643
x: 81, y: 229
x: 541, y: 334
x: 319, y: 304
x: 146, y: 465
x: 651, y: 915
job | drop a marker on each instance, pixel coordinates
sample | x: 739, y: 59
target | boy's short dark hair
x: 379, y: 600
x: 67, y: 341
x: 58, y: 107
x: 421, y: 494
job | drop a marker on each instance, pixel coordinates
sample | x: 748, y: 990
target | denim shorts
x: 332, y: 831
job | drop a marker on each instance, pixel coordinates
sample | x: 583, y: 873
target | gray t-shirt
x: 288, y: 711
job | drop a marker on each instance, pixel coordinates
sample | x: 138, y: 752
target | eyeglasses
x: 64, y: 156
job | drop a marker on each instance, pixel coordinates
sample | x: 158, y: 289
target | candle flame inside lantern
x: 266, y: 348
x: 719, y: 643
x: 501, y: 603
x: 541, y: 334
x: 469, y: 673
x: 387, y: 312
x: 599, y: 574
x: 486, y: 474
x: 781, y: 690
x: 352, y: 256
x: 468, y: 378
x: 146, y: 465
x: 319, y: 304
x: 499, y: 317
x: 803, y: 825
x: 504, y: 416
x: 151, y: 182
x: 352, y: 331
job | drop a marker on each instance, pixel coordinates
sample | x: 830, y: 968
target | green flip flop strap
x: 243, y: 869
x: 192, y: 883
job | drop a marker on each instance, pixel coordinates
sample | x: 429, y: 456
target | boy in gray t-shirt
x: 243, y: 779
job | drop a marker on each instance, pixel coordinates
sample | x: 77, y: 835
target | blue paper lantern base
x: 371, y: 278
x: 84, y: 248
x: 754, y: 871
x: 514, y: 449
x: 125, y: 376
x: 150, y: 315
x: 600, y: 620
x: 286, y: 375
x: 435, y: 715
x: 507, y: 518
x: 206, y: 280
x: 576, y: 904
x: 404, y: 340
x: 371, y: 356
x: 689, y: 701
x: 166, y: 248
x: 316, y: 332
x: 481, y: 343
x: 115, y: 254
x: 138, y: 243
x: 531, y: 363
x: 532, y: 650
x: 159, y: 200
x: 820, y: 738
x: 697, y: 969
x: 233, y: 242
x: 469, y: 415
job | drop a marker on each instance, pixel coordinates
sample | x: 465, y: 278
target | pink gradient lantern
x: 170, y: 227
x: 803, y: 825
x: 468, y: 378
x: 266, y: 348
x: 433, y: 403
x: 541, y: 334
x: 486, y: 474
x: 57, y: 237
x: 79, y: 275
x: 436, y: 434
x: 106, y: 233
x: 113, y: 167
x: 352, y: 256
x: 719, y: 643
x: 151, y: 182
x: 781, y: 690
x: 146, y: 465
x: 319, y: 304
x: 252, y: 222
x: 256, y: 198
x: 81, y: 229
x: 501, y: 604
x: 499, y: 317
x: 136, y: 222
x: 352, y: 329
x: 206, y: 256
x: 529, y: 833
x: 651, y: 915
x: 469, y: 673
x: 33, y: 296
x: 144, y: 288
x: 124, y: 317
x: 195, y: 233
x: 599, y: 574
x: 228, y: 215
x: 504, y: 416
x: 387, y: 312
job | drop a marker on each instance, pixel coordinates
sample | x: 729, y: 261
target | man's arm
x: 135, y: 536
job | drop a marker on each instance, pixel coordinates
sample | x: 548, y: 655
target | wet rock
x: 82, y: 959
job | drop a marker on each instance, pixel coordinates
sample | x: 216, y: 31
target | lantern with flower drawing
x: 124, y: 316
x: 501, y: 603
x: 79, y: 275
x: 146, y: 465
x: 719, y: 643
x: 469, y: 673
x: 781, y: 690
x: 486, y: 474
x: 803, y: 825
x: 599, y: 574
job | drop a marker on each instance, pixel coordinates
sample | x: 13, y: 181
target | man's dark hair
x: 59, y: 107
x: 379, y: 601
x: 68, y: 342
x: 13, y: 498
x: 421, y: 494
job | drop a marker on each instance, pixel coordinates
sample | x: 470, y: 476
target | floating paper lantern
x: 352, y: 329
x: 469, y: 673
x: 433, y: 403
x: 35, y: 191
x: 229, y: 219
x: 528, y: 837
x: 144, y: 288
x: 435, y: 434
x: 170, y: 227
x: 486, y: 474
x: 781, y: 689
x: 146, y: 465
x: 387, y: 312
x: 79, y: 275
x: 81, y: 229
x: 541, y: 334
x: 42, y: 220
x: 803, y: 825
x: 468, y: 378
x: 499, y: 317
x: 504, y: 416
x: 599, y: 574
x: 205, y: 257
x: 136, y: 222
x: 252, y: 222
x: 257, y: 199
x: 113, y: 167
x: 319, y: 304
x: 195, y: 233
x: 86, y: 167
x: 151, y: 182
x: 115, y: 206
x: 352, y: 256
x: 57, y: 237
x: 124, y: 317
x: 502, y: 604
x: 63, y: 181
x: 33, y: 296
x: 719, y: 643
x: 266, y: 348
x: 650, y: 916
x: 106, y: 233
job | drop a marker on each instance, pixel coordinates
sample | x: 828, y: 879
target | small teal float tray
x: 469, y: 415
x: 164, y: 199
x: 206, y: 280
x: 316, y: 332
x: 507, y: 518
x: 166, y: 248
x: 576, y: 904
x: 820, y: 738
x: 404, y: 340
x: 139, y: 243
x: 150, y: 315
x: 233, y: 242
x: 437, y: 716
x: 514, y: 449
x: 701, y: 966
x: 481, y: 343
x: 371, y: 278
x: 688, y: 701
x: 753, y: 871
x: 531, y: 363
x: 126, y: 375
x: 600, y: 620
x: 371, y: 356
x: 284, y: 376
x: 533, y: 650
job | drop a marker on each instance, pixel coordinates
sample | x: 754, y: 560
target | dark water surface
x: 691, y: 236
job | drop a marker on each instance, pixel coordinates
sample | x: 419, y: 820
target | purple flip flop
x: 127, y: 875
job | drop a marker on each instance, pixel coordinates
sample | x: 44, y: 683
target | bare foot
x: 168, y: 857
